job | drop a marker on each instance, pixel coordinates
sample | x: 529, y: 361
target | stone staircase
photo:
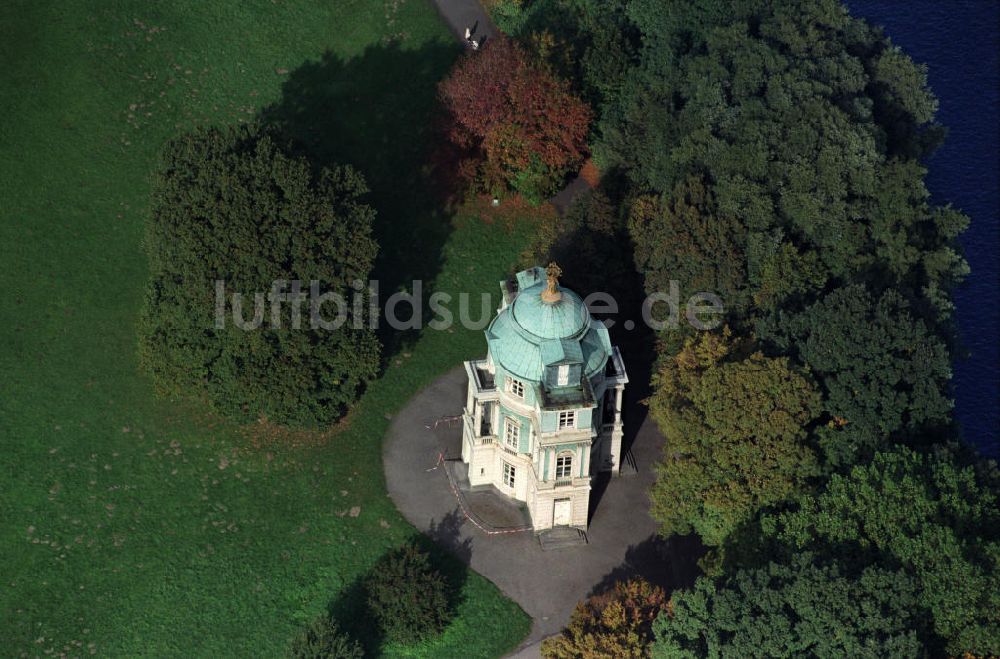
x: 561, y: 537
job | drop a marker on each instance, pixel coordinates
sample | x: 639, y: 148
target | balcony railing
x: 480, y: 438
x: 484, y: 379
x: 556, y: 484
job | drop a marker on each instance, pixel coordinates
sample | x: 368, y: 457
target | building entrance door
x: 562, y: 512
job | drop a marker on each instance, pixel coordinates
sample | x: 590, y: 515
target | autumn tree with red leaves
x: 518, y: 127
x: 616, y: 623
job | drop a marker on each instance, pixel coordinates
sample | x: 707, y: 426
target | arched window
x: 564, y: 466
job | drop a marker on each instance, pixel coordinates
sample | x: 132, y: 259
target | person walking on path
x: 469, y: 33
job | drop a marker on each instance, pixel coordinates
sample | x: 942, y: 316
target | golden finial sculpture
x: 551, y: 292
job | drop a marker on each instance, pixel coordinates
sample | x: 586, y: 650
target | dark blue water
x: 958, y: 41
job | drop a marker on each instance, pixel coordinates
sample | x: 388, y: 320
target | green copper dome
x: 536, y: 331
x: 564, y: 318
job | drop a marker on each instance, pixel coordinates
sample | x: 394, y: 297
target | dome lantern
x: 551, y: 293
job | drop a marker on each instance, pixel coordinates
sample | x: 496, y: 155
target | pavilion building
x: 543, y: 410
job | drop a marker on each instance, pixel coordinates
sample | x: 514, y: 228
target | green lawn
x: 138, y: 526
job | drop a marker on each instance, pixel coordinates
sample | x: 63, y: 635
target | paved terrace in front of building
x: 622, y: 539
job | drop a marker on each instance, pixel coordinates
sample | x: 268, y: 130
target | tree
x: 793, y: 610
x: 681, y: 237
x: 618, y: 623
x: 931, y: 516
x: 407, y: 596
x: 322, y: 639
x: 882, y: 370
x: 590, y: 42
x: 521, y: 124
x: 808, y: 125
x: 230, y: 208
x: 736, y: 427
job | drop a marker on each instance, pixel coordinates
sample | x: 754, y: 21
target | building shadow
x: 638, y: 348
x: 669, y: 563
x: 596, y: 255
x: 598, y: 486
x: 374, y: 111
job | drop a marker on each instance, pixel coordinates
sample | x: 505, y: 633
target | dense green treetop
x: 323, y: 639
x: 408, y: 597
x: 705, y: 251
x: 229, y: 205
x: 898, y: 556
x: 806, y: 124
x: 882, y: 370
x: 591, y: 42
x: 793, y: 610
x: 929, y: 515
x: 590, y: 243
x: 735, y: 423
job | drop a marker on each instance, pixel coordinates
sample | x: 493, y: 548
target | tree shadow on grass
x: 449, y: 554
x: 350, y: 610
x: 375, y: 112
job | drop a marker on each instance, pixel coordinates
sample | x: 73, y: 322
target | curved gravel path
x: 546, y: 584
